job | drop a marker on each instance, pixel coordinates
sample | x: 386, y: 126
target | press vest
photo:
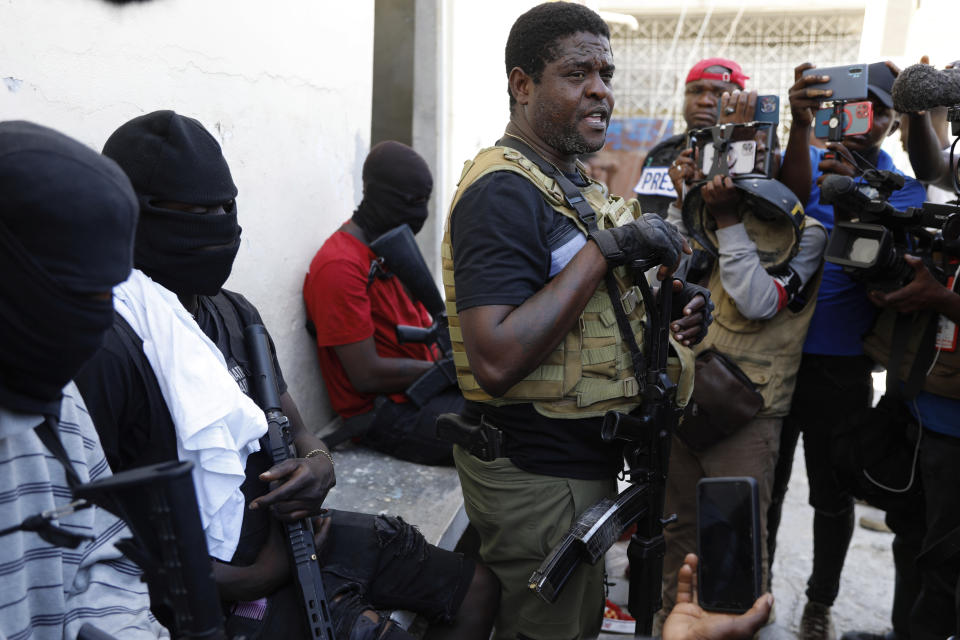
x: 590, y: 372
x: 768, y: 351
x: 943, y: 379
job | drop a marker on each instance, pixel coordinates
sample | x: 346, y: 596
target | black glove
x: 647, y: 238
x: 682, y: 298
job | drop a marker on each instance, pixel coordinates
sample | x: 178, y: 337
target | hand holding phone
x: 847, y: 82
x: 741, y: 107
x: 806, y: 93
x: 729, y: 572
x: 688, y: 619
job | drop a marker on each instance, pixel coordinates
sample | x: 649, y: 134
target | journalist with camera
x: 909, y: 260
x: 834, y: 381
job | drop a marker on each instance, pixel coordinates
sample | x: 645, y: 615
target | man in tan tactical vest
x: 535, y: 334
x: 766, y: 268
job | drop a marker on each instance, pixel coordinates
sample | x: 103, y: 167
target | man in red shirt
x: 356, y: 307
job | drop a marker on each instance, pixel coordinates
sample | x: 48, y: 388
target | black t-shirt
x: 508, y: 244
x: 124, y: 399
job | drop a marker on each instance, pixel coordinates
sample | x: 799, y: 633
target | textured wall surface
x: 285, y: 87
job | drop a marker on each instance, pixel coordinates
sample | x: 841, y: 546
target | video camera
x: 871, y: 242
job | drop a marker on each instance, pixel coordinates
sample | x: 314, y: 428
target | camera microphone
x: 845, y: 192
x: 920, y: 87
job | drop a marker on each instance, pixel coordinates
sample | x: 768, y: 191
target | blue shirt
x: 844, y: 313
x: 937, y: 413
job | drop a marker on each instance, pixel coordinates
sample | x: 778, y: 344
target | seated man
x: 764, y: 285
x: 171, y: 382
x: 356, y: 309
x: 66, y: 228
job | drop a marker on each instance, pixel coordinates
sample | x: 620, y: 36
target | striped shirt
x: 49, y: 592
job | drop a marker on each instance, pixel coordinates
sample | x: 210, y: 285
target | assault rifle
x: 300, y: 543
x: 648, y: 435
x: 159, y: 504
x: 397, y: 251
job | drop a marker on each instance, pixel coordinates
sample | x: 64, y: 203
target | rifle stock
x: 300, y: 544
x: 159, y: 504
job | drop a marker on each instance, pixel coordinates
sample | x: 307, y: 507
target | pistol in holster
x: 480, y: 439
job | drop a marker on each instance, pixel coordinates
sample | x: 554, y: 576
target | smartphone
x: 767, y: 109
x: 848, y: 82
x: 729, y: 571
x: 741, y: 157
x: 857, y: 120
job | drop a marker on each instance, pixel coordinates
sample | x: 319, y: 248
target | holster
x: 480, y: 439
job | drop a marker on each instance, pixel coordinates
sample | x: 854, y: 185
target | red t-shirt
x: 345, y: 310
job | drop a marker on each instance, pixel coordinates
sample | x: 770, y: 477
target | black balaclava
x: 172, y: 158
x: 67, y: 219
x: 396, y: 187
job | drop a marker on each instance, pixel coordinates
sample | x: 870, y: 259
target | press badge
x: 655, y: 181
x: 947, y: 329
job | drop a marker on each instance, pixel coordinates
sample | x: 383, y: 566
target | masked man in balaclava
x: 67, y: 217
x: 356, y: 306
x: 171, y: 382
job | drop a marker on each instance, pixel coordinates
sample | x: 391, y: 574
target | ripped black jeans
x: 383, y: 563
x: 368, y: 562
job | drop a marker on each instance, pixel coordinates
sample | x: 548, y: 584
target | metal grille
x: 653, y: 60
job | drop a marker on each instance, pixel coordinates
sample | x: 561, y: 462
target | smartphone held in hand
x: 729, y: 573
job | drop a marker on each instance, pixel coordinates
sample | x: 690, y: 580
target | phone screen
x: 728, y: 544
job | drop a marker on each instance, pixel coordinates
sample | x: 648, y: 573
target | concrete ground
x: 866, y: 589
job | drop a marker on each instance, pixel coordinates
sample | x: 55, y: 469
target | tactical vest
x: 943, y: 379
x: 590, y: 372
x: 768, y: 351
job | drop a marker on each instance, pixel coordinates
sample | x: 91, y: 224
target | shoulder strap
x: 230, y: 314
x: 47, y: 433
x: 588, y: 217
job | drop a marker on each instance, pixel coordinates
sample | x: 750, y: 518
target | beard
x: 563, y: 136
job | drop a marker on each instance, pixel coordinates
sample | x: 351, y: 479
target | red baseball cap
x: 735, y: 75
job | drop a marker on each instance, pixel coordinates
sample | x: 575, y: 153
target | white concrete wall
x: 476, y: 104
x: 285, y: 86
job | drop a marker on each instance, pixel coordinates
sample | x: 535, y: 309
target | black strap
x: 229, y: 313
x: 47, y: 433
x: 903, y: 328
x: 588, y: 217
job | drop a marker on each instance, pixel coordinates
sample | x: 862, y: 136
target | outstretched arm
x: 688, y: 621
x: 796, y: 172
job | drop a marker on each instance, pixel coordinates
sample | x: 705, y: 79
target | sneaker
x: 816, y: 623
x: 873, y: 524
x: 616, y: 620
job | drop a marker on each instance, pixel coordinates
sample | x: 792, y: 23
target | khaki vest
x: 943, y: 379
x: 590, y: 372
x: 768, y: 351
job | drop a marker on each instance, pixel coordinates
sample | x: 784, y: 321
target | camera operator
x: 834, y: 380
x: 932, y: 607
x: 925, y: 137
x: 706, y: 82
x: 762, y: 313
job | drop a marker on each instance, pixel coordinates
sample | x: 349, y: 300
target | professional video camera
x: 871, y: 241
